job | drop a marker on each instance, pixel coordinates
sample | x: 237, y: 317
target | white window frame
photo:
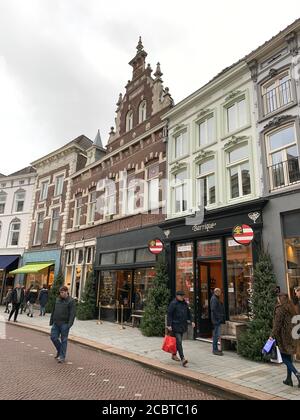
x: 239, y: 125
x: 57, y: 220
x: 283, y: 150
x: 153, y: 205
x: 129, y: 121
x: 35, y: 242
x: 183, y: 187
x: 142, y: 111
x: 203, y: 177
x: 78, y: 210
x: 59, y: 186
x: 199, y: 124
x: 110, y: 198
x: 92, y: 206
x: 11, y: 232
x: 181, y: 144
x: 17, y: 200
x: 44, y: 192
x: 278, y: 92
x: 238, y: 164
x: 3, y: 198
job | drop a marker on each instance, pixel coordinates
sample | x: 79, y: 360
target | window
x: 78, y: 211
x: 54, y: 225
x: 239, y: 172
x: 277, y: 93
x: 70, y: 257
x: 153, y: 187
x: 129, y: 121
x: 181, y: 145
x: 207, y: 131
x: 236, y: 116
x: 14, y: 233
x: 2, y: 202
x: 125, y: 257
x: 283, y: 157
x: 131, y: 196
x: 92, y: 206
x: 39, y: 229
x: 142, y: 112
x: 0, y: 229
x: 108, y: 259
x: 291, y: 229
x: 80, y: 256
x: 19, y: 201
x: 59, y: 185
x: 206, y: 183
x: 144, y: 255
x: 89, y: 255
x: 44, y: 190
x: 110, y: 198
x: 185, y: 270
x: 181, y: 192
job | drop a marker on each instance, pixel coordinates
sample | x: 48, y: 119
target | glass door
x: 204, y: 326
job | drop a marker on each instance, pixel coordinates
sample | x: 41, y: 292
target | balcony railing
x: 284, y: 174
x: 278, y: 97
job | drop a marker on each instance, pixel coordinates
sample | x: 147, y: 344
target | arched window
x: 14, y: 232
x: 142, y: 112
x: 129, y: 121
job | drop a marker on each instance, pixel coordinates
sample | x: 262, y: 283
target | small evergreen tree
x: 158, y: 298
x: 262, y: 301
x: 54, y: 292
x: 87, y: 305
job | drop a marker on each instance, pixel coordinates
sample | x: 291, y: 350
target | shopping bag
x: 268, y: 346
x: 169, y: 345
x: 278, y: 358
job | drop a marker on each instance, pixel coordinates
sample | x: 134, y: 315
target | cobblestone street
x: 29, y: 371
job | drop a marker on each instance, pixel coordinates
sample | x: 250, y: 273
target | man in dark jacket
x: 178, y: 316
x: 217, y: 319
x: 43, y: 300
x: 62, y: 319
x: 8, y: 298
x: 16, y: 300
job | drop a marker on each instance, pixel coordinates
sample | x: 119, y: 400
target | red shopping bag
x: 169, y: 345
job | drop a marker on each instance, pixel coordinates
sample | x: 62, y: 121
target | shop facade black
x: 125, y: 270
x: 204, y: 257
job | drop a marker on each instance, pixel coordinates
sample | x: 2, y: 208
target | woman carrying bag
x: 282, y: 333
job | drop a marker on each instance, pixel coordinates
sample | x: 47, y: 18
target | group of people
x: 179, y: 315
x: 22, y: 300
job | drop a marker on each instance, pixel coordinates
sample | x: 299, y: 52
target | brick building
x: 50, y: 206
x: 118, y: 199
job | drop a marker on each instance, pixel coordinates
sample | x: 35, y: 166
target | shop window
x: 89, y: 255
x: 124, y: 287
x: 125, y: 257
x: 80, y: 256
x: 207, y: 249
x: 107, y: 292
x: 68, y: 277
x: 185, y: 270
x: 240, y: 279
x: 292, y: 249
x: 108, y: 259
x: 70, y: 257
x: 143, y: 281
x: 144, y: 255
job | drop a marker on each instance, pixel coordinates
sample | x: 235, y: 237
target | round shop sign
x: 243, y: 234
x: 155, y: 246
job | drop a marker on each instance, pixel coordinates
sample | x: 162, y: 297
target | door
x: 204, y: 326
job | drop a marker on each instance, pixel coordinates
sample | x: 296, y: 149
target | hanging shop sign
x: 155, y: 246
x: 243, y: 234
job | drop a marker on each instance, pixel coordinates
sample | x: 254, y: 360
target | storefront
x: 7, y: 263
x: 204, y: 257
x: 291, y: 233
x: 125, y: 270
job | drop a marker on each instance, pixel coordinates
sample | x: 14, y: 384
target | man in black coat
x: 179, y: 315
x: 217, y: 319
x: 16, y: 300
x: 62, y: 319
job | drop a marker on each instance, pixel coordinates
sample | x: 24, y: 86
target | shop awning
x: 7, y: 260
x: 32, y: 268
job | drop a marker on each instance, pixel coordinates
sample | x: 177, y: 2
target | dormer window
x: 129, y: 121
x: 142, y: 112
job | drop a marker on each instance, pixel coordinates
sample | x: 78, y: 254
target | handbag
x: 169, y: 344
x: 277, y: 356
x: 268, y: 346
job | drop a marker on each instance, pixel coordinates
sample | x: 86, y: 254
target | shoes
x: 59, y: 360
x: 175, y: 358
x: 218, y: 353
x: 288, y: 382
x: 27, y: 314
x: 184, y: 362
x: 298, y: 377
x: 15, y: 320
x: 31, y: 316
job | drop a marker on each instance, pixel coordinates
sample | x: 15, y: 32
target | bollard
x: 99, y: 322
x: 122, y: 318
x: 117, y: 307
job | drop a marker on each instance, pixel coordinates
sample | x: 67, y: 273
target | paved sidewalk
x: 230, y: 369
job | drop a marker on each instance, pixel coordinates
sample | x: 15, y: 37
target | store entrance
x: 210, y: 278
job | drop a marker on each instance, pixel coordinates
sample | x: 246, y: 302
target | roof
x: 2, y: 176
x: 25, y: 171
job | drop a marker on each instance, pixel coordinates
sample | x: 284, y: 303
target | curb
x: 200, y: 378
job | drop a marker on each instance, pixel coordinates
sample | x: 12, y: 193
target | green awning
x: 32, y: 268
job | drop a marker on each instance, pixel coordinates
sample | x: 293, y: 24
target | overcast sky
x: 63, y: 63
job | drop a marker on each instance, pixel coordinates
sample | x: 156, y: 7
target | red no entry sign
x: 243, y: 234
x: 155, y: 246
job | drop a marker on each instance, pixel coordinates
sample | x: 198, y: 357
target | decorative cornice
x: 178, y: 128
x: 277, y: 121
x: 273, y: 72
x: 292, y: 41
x: 203, y: 112
x: 233, y: 94
x: 235, y: 140
x: 204, y: 154
x: 178, y: 167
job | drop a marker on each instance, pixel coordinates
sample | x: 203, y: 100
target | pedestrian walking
x: 32, y: 298
x: 7, y: 300
x: 24, y: 305
x: 179, y: 315
x: 62, y: 319
x: 16, y: 300
x: 282, y: 333
x: 217, y: 319
x: 43, y: 300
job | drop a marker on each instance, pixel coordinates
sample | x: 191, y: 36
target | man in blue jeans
x: 62, y: 319
x: 217, y: 318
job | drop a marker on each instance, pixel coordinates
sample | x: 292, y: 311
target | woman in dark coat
x: 282, y: 332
